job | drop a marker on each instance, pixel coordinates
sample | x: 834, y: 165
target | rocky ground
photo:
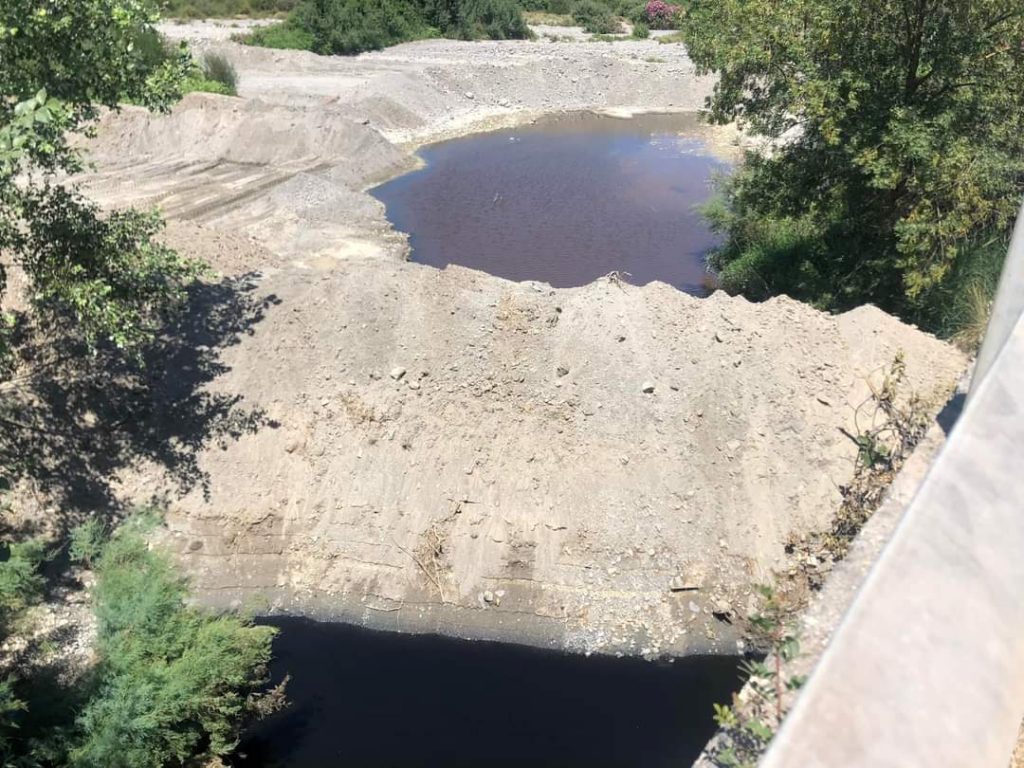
x: 605, y: 468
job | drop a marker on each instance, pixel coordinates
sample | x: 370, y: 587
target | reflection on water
x: 364, y: 698
x: 564, y: 201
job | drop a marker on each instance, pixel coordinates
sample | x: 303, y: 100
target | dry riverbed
x: 605, y: 468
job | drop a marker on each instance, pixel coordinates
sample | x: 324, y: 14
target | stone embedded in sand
x: 679, y: 584
x: 647, y: 388
x: 397, y: 373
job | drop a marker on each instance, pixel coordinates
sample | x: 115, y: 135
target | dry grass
x: 549, y: 19
x: 978, y: 310
x: 675, y: 37
x: 888, y: 428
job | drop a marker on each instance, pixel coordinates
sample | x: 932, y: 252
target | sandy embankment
x: 427, y: 468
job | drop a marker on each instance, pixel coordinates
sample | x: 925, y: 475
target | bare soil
x: 426, y: 462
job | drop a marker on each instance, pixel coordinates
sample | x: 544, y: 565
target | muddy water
x: 564, y: 201
x: 363, y: 698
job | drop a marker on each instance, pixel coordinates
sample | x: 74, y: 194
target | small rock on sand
x: 679, y: 584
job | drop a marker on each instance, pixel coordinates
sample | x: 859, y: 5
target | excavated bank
x: 603, y: 468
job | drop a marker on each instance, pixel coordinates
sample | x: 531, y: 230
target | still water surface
x: 365, y: 698
x: 564, y: 201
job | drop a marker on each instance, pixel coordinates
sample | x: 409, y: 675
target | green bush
x: 174, y: 684
x: 214, y: 74
x: 21, y: 583
x: 898, y: 149
x: 351, y: 26
x: 554, y: 7
x: 87, y: 541
x: 959, y: 306
x: 641, y: 31
x: 218, y: 69
x: 474, y: 19
x: 595, y: 18
x: 285, y: 36
x: 199, y: 84
x: 210, y: 9
x: 153, y: 48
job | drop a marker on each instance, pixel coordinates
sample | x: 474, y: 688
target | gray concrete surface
x: 927, y: 668
x: 1009, y: 303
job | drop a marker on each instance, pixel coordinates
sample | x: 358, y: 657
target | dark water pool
x: 364, y: 698
x: 564, y: 201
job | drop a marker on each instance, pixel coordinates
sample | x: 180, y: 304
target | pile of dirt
x: 605, y: 468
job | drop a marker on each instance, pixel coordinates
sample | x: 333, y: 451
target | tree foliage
x: 352, y: 26
x: 174, y: 683
x: 898, y: 130
x: 61, y: 62
x: 21, y: 583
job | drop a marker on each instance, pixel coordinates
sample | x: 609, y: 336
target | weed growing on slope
x: 749, y: 723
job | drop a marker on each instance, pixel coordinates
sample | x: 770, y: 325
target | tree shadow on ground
x: 67, y: 429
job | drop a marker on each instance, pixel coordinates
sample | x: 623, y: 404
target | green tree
x: 61, y: 62
x: 898, y: 141
x: 21, y: 585
x: 174, y: 683
x: 352, y: 26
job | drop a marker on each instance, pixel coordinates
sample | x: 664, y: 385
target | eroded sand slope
x: 449, y: 450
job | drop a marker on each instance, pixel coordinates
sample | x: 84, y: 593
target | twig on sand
x: 616, y: 277
x: 426, y: 571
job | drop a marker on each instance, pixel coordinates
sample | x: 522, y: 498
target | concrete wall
x: 927, y: 666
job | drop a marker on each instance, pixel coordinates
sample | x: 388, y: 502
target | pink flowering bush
x: 662, y: 15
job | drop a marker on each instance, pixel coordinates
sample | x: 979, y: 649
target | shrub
x: 174, y: 684
x: 662, y: 15
x: 87, y: 541
x: 641, y: 31
x: 902, y: 143
x: 353, y: 26
x: 21, y: 583
x: 554, y: 7
x: 595, y: 18
x: 283, y: 36
x: 560, y: 7
x: 218, y: 69
x: 492, y: 19
x: 153, y: 49
x: 959, y: 307
x: 199, y: 84
x: 207, y: 9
